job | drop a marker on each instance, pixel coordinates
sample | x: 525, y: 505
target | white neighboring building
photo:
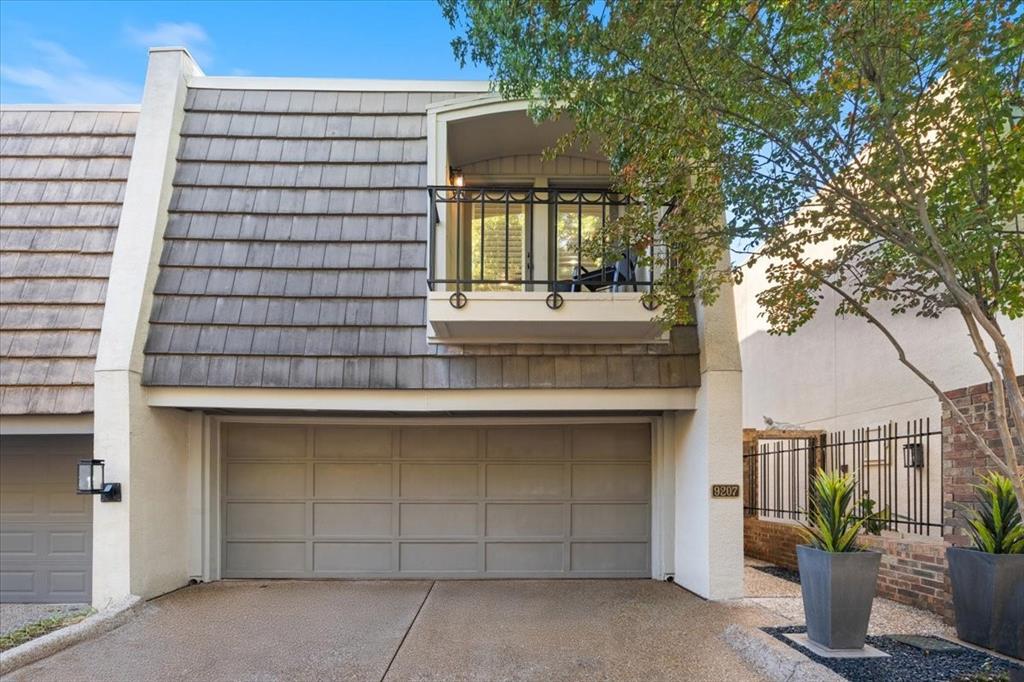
x: 840, y: 373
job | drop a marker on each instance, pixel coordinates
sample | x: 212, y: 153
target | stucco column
x: 707, y: 450
x: 140, y: 544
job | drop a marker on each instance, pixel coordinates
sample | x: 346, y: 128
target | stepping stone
x: 929, y: 644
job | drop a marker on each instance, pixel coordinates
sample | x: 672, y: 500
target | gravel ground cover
x: 907, y: 663
x: 780, y: 572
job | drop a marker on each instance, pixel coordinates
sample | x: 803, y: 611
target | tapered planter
x: 988, y: 598
x: 838, y: 590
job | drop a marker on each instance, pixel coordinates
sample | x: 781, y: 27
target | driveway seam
x: 408, y: 630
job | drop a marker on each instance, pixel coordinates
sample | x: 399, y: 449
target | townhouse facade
x: 334, y: 329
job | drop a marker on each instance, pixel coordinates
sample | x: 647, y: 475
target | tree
x: 871, y: 149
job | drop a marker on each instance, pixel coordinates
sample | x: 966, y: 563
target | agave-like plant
x: 996, y: 526
x: 831, y: 523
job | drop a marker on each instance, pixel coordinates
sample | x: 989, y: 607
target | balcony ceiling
x: 510, y: 133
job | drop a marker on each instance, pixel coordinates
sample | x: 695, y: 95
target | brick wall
x: 962, y: 463
x: 913, y: 570
x: 771, y: 541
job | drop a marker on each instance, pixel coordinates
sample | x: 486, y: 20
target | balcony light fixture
x: 91, y: 481
x: 458, y: 179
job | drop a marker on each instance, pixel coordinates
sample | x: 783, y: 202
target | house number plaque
x: 722, y: 490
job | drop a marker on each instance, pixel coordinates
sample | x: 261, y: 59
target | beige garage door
x: 45, y: 528
x: 497, y: 501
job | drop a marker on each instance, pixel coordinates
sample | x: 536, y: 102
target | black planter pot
x: 988, y: 599
x: 838, y: 590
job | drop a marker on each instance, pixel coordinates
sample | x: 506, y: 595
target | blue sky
x: 95, y: 52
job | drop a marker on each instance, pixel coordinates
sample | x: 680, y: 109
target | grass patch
x: 41, y: 627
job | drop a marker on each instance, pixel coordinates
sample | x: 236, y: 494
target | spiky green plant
x: 831, y: 523
x: 996, y: 526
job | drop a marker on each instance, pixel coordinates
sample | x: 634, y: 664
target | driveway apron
x: 414, y: 630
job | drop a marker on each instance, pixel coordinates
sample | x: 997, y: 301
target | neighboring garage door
x: 45, y: 528
x: 496, y: 501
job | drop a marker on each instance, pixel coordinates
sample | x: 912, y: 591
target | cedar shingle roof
x: 295, y: 256
x: 62, y: 178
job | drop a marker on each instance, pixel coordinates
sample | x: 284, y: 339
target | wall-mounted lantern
x: 91, y: 481
x: 458, y: 179
x: 913, y: 455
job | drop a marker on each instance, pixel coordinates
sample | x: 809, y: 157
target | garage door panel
x: 64, y: 507
x: 612, y: 442
x: 69, y: 544
x: 68, y: 584
x: 439, y: 481
x: 611, y: 481
x: 438, y: 443
x: 438, y: 557
x: 352, y: 557
x: 45, y: 542
x: 352, y: 481
x: 526, y: 481
x: 42, y: 583
x: 265, y: 520
x: 438, y: 520
x: 16, y: 582
x: 352, y: 519
x: 525, y: 557
x: 609, y: 557
x: 610, y: 520
x: 15, y: 504
x: 352, y: 443
x: 516, y: 442
x: 259, y: 441
x: 45, y: 528
x: 525, y: 520
x: 266, y: 480
x: 443, y: 501
x: 265, y: 558
x: 18, y: 543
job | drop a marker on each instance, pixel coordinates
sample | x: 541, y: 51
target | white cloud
x: 173, y: 34
x: 58, y: 76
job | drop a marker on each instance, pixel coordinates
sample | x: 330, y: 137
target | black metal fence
x: 897, y: 469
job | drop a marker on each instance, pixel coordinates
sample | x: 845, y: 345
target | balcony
x: 508, y: 265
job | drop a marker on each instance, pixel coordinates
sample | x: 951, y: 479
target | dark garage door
x: 45, y: 528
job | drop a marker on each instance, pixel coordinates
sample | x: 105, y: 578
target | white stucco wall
x: 707, y: 447
x: 841, y: 373
x: 140, y: 545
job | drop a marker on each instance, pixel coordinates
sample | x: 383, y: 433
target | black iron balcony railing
x: 490, y: 236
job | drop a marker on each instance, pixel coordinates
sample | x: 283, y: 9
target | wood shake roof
x: 62, y: 179
x: 295, y: 256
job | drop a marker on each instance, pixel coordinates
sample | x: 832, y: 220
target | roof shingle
x: 62, y: 179
x: 295, y: 257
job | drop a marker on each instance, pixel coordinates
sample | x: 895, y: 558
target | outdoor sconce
x: 90, y: 481
x: 913, y: 455
x: 458, y: 179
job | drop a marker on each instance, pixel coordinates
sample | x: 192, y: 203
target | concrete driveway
x: 414, y: 630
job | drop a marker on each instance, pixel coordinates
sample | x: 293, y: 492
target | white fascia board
x: 335, y: 84
x: 45, y: 424
x: 119, y: 108
x: 483, y: 99
x: 425, y: 400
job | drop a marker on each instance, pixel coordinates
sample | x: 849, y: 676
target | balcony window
x: 496, y: 246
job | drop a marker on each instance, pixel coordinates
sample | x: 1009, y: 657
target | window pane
x: 571, y: 221
x: 490, y: 241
